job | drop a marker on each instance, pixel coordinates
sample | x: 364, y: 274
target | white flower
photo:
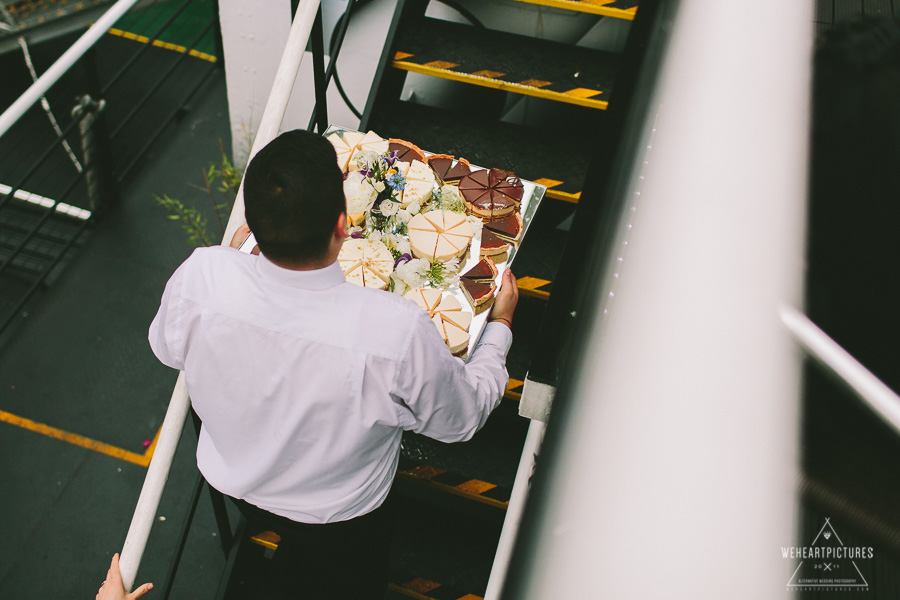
x: 402, y: 245
x: 359, y: 193
x: 375, y: 235
x: 412, y: 272
x: 414, y: 208
x: 389, y: 207
x: 450, y: 199
x: 379, y: 186
x: 404, y: 215
x: 399, y: 286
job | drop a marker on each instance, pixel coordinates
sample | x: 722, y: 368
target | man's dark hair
x: 293, y: 195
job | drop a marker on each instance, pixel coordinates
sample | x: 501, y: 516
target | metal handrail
x: 883, y: 401
x: 176, y: 414
x: 59, y: 68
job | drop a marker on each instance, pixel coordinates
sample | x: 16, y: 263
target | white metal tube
x: 270, y: 124
x: 37, y: 90
x: 155, y: 481
x: 158, y: 471
x: 871, y: 390
x: 514, y: 511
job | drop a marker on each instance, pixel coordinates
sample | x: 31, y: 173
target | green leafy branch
x: 192, y: 222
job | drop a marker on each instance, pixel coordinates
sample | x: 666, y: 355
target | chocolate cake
x: 508, y: 228
x: 479, y: 294
x: 491, y: 194
x: 406, y: 151
x: 491, y: 245
x: 484, y: 271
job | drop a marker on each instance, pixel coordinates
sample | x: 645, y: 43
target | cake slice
x: 508, y: 228
x: 373, y: 142
x: 484, y: 271
x: 406, y: 151
x: 491, y: 245
x: 457, y: 171
x: 457, y: 339
x: 341, y: 149
x: 480, y: 295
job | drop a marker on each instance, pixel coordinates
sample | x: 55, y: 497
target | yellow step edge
x: 506, y: 86
x: 564, y: 196
x: 528, y: 286
x: 594, y: 7
x: 452, y: 490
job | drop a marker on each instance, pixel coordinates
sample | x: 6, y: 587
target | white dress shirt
x: 305, y: 382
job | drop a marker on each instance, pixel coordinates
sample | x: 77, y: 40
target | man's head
x: 293, y: 196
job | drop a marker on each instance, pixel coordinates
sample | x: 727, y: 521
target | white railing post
x: 37, y: 90
x: 158, y: 471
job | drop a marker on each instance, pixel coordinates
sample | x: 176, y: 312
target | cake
x: 508, y: 228
x: 445, y: 169
x: 419, y: 183
x: 491, y: 194
x: 491, y: 244
x: 366, y: 263
x: 342, y: 149
x: 439, y: 235
x: 451, y: 321
x: 406, y: 151
x: 346, y: 146
x: 484, y: 271
x: 479, y: 293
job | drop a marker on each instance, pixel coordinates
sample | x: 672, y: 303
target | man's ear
x: 342, y: 226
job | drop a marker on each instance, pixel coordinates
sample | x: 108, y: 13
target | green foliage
x: 192, y: 222
x: 226, y: 178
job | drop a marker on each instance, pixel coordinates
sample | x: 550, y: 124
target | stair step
x: 454, y: 483
x: 533, y: 154
x: 507, y: 61
x: 619, y: 9
x: 437, y: 554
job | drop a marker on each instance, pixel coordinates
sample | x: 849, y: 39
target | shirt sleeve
x: 167, y: 334
x: 451, y: 399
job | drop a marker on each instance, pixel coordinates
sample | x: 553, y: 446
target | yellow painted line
x: 267, y: 539
x: 595, y: 7
x: 547, y: 183
x: 475, y: 486
x: 511, y: 386
x: 582, y: 93
x: 529, y: 287
x: 564, y: 196
x: 488, y: 73
x: 516, y: 88
x: 441, y: 64
x: 79, y: 440
x: 536, y: 83
x: 160, y: 44
x: 412, y: 476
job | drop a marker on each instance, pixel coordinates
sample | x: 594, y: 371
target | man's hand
x: 114, y: 589
x: 240, y: 235
x: 507, y: 297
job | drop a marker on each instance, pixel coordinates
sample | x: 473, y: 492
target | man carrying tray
x: 305, y: 383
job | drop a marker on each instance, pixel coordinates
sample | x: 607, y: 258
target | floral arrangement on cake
x: 375, y: 189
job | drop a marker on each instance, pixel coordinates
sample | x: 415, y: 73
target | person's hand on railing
x: 114, y: 589
x: 240, y: 235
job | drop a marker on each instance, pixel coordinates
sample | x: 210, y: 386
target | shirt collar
x: 316, y: 279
